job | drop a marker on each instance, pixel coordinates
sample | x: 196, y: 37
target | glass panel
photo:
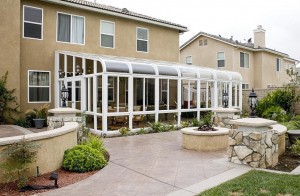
x: 189, y: 93
x: 99, y: 96
x: 39, y: 94
x: 150, y: 94
x: 64, y: 28
x: 33, y: 14
x: 172, y: 94
x: 188, y: 72
x: 99, y: 67
x: 220, y: 55
x: 221, y: 63
x: 107, y: 27
x: 90, y: 121
x: 142, y: 45
x: 113, y: 66
x: 89, y: 64
x: 39, y: 78
x: 142, y: 69
x: 142, y: 34
x: 69, y: 66
x: 110, y: 88
x: 169, y: 71
x: 116, y: 122
x: 138, y: 91
x: 33, y: 30
x: 163, y: 101
x: 77, y: 29
x: 246, y: 60
x: 107, y: 41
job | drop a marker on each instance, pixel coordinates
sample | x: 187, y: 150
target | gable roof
x: 124, y: 13
x: 247, y: 46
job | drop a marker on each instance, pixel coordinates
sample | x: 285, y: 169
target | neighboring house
x: 33, y: 30
x: 260, y: 67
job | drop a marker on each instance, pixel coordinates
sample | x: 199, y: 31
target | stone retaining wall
x: 257, y: 149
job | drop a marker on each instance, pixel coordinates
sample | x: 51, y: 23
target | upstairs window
x: 107, y: 37
x: 245, y: 86
x: 39, y: 86
x: 278, y: 64
x: 32, y: 22
x: 70, y: 28
x: 188, y: 60
x: 221, y: 59
x: 244, y: 60
x: 142, y: 39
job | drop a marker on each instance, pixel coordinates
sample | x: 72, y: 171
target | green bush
x: 124, y: 130
x: 296, y: 147
x: 83, y: 158
x: 22, y: 122
x: 280, y: 97
x: 94, y: 142
x: 161, y: 127
x: 195, y: 122
x: 275, y: 113
x: 185, y: 124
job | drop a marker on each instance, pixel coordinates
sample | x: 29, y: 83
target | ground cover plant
x: 258, y: 183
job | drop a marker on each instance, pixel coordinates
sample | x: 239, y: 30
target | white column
x: 104, y: 102
x: 95, y: 94
x: 83, y: 89
x: 230, y: 95
x: 56, y: 83
x: 130, y: 100
x: 215, y: 95
x: 198, y: 98
x: 240, y: 96
x: 156, y: 101
x: 179, y: 96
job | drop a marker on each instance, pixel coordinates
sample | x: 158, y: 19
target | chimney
x: 259, y: 37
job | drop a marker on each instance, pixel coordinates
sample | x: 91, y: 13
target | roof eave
x: 69, y: 4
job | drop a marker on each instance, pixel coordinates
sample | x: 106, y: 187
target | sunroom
x: 116, y: 92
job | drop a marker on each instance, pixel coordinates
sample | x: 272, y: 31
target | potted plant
x: 39, y: 115
x: 294, y: 134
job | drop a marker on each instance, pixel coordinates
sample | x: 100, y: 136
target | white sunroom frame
x: 180, y: 72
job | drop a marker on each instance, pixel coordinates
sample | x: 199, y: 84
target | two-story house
x: 260, y: 67
x: 32, y: 30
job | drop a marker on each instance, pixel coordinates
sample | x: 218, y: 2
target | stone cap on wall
x: 194, y: 131
x: 253, y: 122
x: 225, y: 110
x: 65, y: 110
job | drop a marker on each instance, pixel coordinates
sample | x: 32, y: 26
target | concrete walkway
x: 154, y: 164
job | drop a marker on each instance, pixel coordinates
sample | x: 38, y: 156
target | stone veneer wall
x: 257, y: 149
x: 55, y: 122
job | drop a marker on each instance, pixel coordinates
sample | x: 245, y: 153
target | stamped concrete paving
x: 150, y: 164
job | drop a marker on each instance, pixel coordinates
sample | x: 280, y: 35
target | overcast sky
x: 237, y: 18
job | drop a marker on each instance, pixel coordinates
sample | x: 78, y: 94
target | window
x: 221, y: 59
x: 278, y: 64
x: 245, y: 86
x: 142, y: 39
x: 38, y: 86
x: 110, y: 90
x: 244, y: 60
x: 32, y: 22
x: 107, y: 37
x: 70, y: 28
x: 205, y: 42
x: 188, y: 60
x: 200, y: 42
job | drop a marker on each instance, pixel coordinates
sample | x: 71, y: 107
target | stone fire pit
x: 192, y: 139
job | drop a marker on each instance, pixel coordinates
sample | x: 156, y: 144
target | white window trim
x: 42, y: 24
x: 191, y: 63
x: 38, y: 86
x: 244, y: 59
x: 148, y: 47
x: 70, y: 29
x: 221, y: 59
x: 280, y: 64
x: 108, y: 34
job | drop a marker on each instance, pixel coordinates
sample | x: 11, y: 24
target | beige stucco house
x: 32, y: 30
x: 260, y: 67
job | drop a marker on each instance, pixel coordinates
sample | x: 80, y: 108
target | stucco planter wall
x: 281, y: 130
x: 192, y: 139
x: 53, y: 144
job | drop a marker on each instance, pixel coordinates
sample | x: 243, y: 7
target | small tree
x: 8, y: 102
x: 292, y: 87
x: 18, y: 158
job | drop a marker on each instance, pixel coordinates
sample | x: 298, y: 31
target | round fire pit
x: 192, y: 139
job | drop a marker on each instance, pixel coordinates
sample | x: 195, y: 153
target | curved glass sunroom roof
x: 148, y: 67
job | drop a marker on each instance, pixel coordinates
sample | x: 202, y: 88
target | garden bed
x: 287, y: 161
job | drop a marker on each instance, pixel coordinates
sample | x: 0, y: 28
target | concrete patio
x: 154, y: 164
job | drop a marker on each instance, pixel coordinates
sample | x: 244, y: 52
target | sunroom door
x: 75, y: 99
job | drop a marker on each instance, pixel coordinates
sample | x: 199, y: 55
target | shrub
x: 18, y: 158
x: 124, y: 130
x: 185, y: 124
x: 206, y: 119
x: 83, y: 158
x: 195, y: 122
x: 141, y: 131
x: 296, y: 147
x: 161, y: 127
x: 94, y: 142
x: 22, y: 122
x: 275, y: 113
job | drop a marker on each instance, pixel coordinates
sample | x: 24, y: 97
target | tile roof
x: 249, y: 45
x: 123, y: 11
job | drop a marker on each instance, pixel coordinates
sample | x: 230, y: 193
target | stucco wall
x: 39, y: 54
x: 10, y: 43
x: 52, y: 146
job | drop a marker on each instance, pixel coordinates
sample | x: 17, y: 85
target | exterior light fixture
x: 64, y: 94
x: 252, y: 101
x: 225, y: 99
x: 78, y: 70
